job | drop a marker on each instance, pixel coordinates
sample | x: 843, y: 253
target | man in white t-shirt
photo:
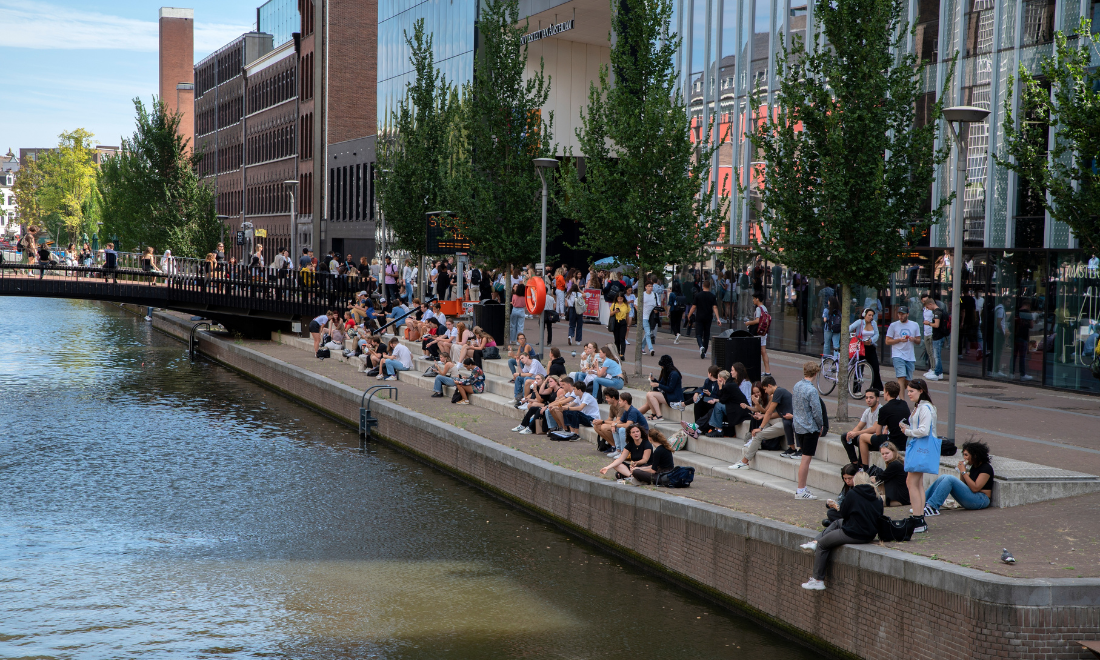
x: 867, y: 422
x: 901, y: 337
x: 529, y: 368
x: 581, y: 412
x: 401, y: 360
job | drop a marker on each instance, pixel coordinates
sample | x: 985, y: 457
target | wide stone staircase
x: 1016, y: 482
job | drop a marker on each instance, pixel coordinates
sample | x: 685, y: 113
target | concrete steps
x: 1017, y: 482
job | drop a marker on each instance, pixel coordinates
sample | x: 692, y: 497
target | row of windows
x: 271, y: 144
x: 229, y: 203
x: 268, y: 198
x: 305, y: 8
x: 270, y: 91
x: 221, y: 67
x: 226, y: 113
x: 349, y: 192
x: 305, y: 193
x: 306, y: 92
x: 228, y: 159
x: 305, y: 137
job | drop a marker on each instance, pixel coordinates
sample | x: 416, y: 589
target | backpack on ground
x: 895, y: 530
x: 677, y: 477
x: 834, y: 322
x: 678, y: 440
x: 765, y: 323
x: 323, y: 353
x: 562, y: 436
x: 947, y: 447
x: 603, y: 446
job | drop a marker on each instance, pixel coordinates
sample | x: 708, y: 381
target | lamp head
x: 545, y: 162
x: 965, y: 113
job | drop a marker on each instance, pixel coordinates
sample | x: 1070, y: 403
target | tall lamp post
x: 540, y: 165
x: 223, y: 220
x: 292, y: 187
x: 963, y: 114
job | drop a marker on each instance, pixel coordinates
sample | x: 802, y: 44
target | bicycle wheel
x: 826, y: 378
x: 859, y: 379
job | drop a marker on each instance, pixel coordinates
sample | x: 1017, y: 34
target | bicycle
x: 859, y: 375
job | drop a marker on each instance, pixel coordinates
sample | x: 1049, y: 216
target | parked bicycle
x: 859, y: 375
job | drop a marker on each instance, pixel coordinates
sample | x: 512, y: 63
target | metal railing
x: 228, y: 288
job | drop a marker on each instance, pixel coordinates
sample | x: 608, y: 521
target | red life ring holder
x: 536, y: 295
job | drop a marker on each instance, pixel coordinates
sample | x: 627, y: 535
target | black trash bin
x: 737, y: 346
x: 490, y: 316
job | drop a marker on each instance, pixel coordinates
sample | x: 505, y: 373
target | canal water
x: 150, y: 507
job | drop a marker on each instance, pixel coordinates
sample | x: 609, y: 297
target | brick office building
x: 177, y: 52
x: 271, y: 106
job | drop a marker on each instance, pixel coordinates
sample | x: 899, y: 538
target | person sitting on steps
x: 730, y: 406
x: 636, y: 454
x: 867, y: 420
x: 972, y: 489
x: 660, y: 461
x: 891, y: 414
x: 892, y: 478
x: 777, y: 422
x: 858, y: 523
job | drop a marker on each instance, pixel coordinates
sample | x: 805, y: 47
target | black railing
x: 227, y: 289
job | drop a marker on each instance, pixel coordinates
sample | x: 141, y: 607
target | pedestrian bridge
x: 250, y: 301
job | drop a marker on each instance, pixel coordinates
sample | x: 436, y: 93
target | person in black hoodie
x: 730, y: 406
x: 893, y: 477
x: 557, y: 363
x: 859, y: 515
x: 709, y: 391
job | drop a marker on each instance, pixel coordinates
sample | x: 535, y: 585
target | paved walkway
x: 1049, y: 539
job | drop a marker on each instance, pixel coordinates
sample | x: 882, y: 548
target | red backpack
x: 765, y: 323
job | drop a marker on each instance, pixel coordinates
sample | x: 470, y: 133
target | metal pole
x: 542, y: 258
x: 293, y: 232
x: 956, y: 279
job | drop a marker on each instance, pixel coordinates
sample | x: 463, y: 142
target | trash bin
x: 737, y: 346
x: 490, y: 316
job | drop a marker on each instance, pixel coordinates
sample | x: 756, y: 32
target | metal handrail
x: 366, y: 419
x: 192, y: 343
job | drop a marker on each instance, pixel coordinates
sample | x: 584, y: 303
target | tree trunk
x: 639, y: 301
x: 842, y: 368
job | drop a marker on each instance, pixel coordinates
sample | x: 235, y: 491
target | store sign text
x: 547, y: 32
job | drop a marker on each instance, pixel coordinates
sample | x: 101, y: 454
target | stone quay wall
x: 880, y: 603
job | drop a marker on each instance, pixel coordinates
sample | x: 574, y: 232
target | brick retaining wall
x: 880, y: 603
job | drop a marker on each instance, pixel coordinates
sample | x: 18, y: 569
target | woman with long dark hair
x: 667, y: 389
x: 972, y: 489
x: 922, y: 422
x: 620, y: 322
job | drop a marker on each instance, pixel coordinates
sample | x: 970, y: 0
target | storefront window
x: 1070, y: 348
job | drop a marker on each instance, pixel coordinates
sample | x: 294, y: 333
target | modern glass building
x: 280, y: 19
x: 450, y: 23
x: 1031, y: 299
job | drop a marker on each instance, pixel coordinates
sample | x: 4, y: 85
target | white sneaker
x: 569, y: 340
x: 805, y: 495
x: 523, y: 407
x: 391, y: 378
x: 628, y: 342
x: 612, y: 454
x: 809, y: 545
x: 739, y: 466
x: 518, y: 428
x: 379, y: 377
x: 934, y: 377
x: 930, y: 374
x: 1027, y: 377
x: 677, y: 340
x: 526, y: 431
x: 629, y: 481
x: 814, y: 585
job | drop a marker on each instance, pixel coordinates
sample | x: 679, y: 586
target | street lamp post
x: 540, y: 165
x: 382, y: 234
x: 222, y: 219
x: 291, y: 188
x: 962, y: 114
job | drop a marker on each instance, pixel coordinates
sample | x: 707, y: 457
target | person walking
x: 576, y: 306
x: 649, y: 307
x: 865, y: 331
x: 936, y: 325
x: 761, y: 323
x: 808, y: 422
x: 620, y: 319
x: 902, y: 336
x: 704, y: 309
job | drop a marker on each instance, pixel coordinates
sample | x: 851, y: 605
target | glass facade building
x: 280, y: 19
x: 450, y: 24
x: 1029, y: 297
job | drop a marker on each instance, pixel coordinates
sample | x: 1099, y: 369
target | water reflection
x: 154, y: 507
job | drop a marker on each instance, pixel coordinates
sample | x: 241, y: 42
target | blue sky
x: 78, y: 64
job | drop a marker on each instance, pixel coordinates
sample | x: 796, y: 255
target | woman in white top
x: 922, y: 422
x: 463, y: 337
x: 867, y: 330
x: 590, y: 364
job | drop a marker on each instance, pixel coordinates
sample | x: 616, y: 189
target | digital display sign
x: 444, y: 233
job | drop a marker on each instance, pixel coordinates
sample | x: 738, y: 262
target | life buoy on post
x: 536, y: 296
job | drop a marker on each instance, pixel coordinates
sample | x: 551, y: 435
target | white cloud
x: 41, y: 25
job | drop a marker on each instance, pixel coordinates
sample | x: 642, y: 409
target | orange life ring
x: 536, y: 295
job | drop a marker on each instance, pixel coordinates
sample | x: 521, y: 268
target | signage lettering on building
x: 547, y: 31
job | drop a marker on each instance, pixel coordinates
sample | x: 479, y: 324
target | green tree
x: 1070, y: 171
x: 415, y: 157
x: 150, y: 194
x: 495, y: 188
x: 68, y: 180
x: 846, y: 170
x: 640, y: 199
x: 28, y: 183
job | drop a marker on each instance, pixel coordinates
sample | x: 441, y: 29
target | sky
x: 67, y: 64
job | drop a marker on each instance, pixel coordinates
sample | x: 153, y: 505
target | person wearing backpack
x: 860, y: 512
x: 831, y: 325
x: 762, y: 323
